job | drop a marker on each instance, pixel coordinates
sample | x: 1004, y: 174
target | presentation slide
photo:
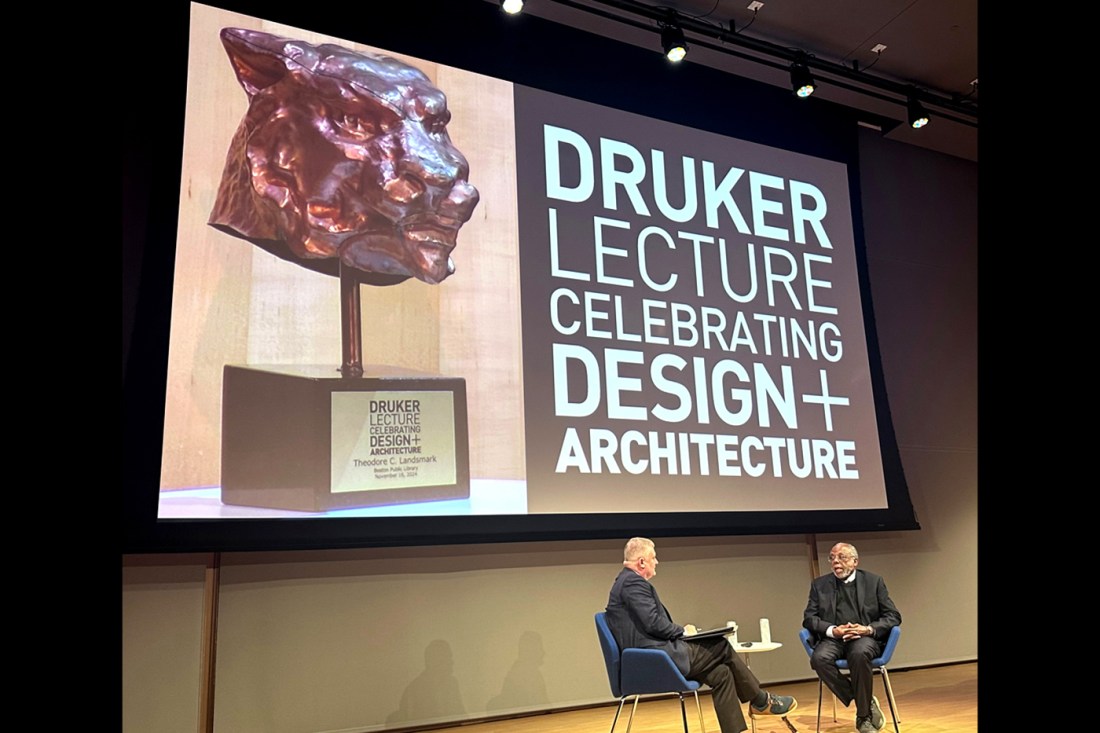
x: 403, y: 289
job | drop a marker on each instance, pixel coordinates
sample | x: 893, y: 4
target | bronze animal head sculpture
x: 342, y: 158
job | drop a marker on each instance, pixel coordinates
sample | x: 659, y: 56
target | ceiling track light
x: 511, y: 6
x: 918, y: 115
x: 802, y: 81
x: 719, y: 38
x: 672, y: 39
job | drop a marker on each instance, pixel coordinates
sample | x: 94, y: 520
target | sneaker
x: 863, y: 725
x: 776, y: 705
x: 878, y: 720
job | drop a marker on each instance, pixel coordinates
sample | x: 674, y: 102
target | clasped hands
x: 847, y: 632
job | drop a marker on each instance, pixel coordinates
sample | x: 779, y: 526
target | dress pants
x: 858, y: 684
x: 714, y: 663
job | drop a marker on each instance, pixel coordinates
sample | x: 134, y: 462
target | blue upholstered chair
x: 637, y: 672
x: 878, y: 664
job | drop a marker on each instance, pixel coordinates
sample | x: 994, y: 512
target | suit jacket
x: 872, y: 600
x: 638, y: 619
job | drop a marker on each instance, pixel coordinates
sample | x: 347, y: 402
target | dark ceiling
x: 930, y: 45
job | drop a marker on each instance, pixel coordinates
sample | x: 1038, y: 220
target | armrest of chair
x: 651, y: 671
x: 891, y: 644
x: 804, y: 636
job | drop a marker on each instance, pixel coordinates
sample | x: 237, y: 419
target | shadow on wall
x: 524, y: 685
x: 434, y: 692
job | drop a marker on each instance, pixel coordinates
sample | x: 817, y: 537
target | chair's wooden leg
x: 894, y: 713
x: 699, y: 708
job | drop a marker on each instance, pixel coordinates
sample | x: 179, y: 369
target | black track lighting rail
x: 648, y: 17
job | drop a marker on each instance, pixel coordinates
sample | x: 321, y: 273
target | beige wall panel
x: 369, y: 640
x: 210, y: 303
x: 480, y: 317
x: 161, y: 643
x: 376, y: 639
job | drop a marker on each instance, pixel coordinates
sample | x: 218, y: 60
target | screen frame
x: 528, y: 51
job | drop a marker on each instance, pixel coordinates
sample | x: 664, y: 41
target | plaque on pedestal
x: 311, y: 439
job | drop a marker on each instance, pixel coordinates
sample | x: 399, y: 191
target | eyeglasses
x: 842, y: 558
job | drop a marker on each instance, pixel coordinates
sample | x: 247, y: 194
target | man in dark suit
x: 850, y: 615
x: 639, y: 620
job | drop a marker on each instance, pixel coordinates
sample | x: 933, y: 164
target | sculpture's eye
x: 356, y: 126
x: 386, y: 120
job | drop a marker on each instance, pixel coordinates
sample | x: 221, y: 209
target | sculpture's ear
x: 257, y: 58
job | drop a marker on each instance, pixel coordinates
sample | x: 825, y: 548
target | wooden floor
x: 931, y: 700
